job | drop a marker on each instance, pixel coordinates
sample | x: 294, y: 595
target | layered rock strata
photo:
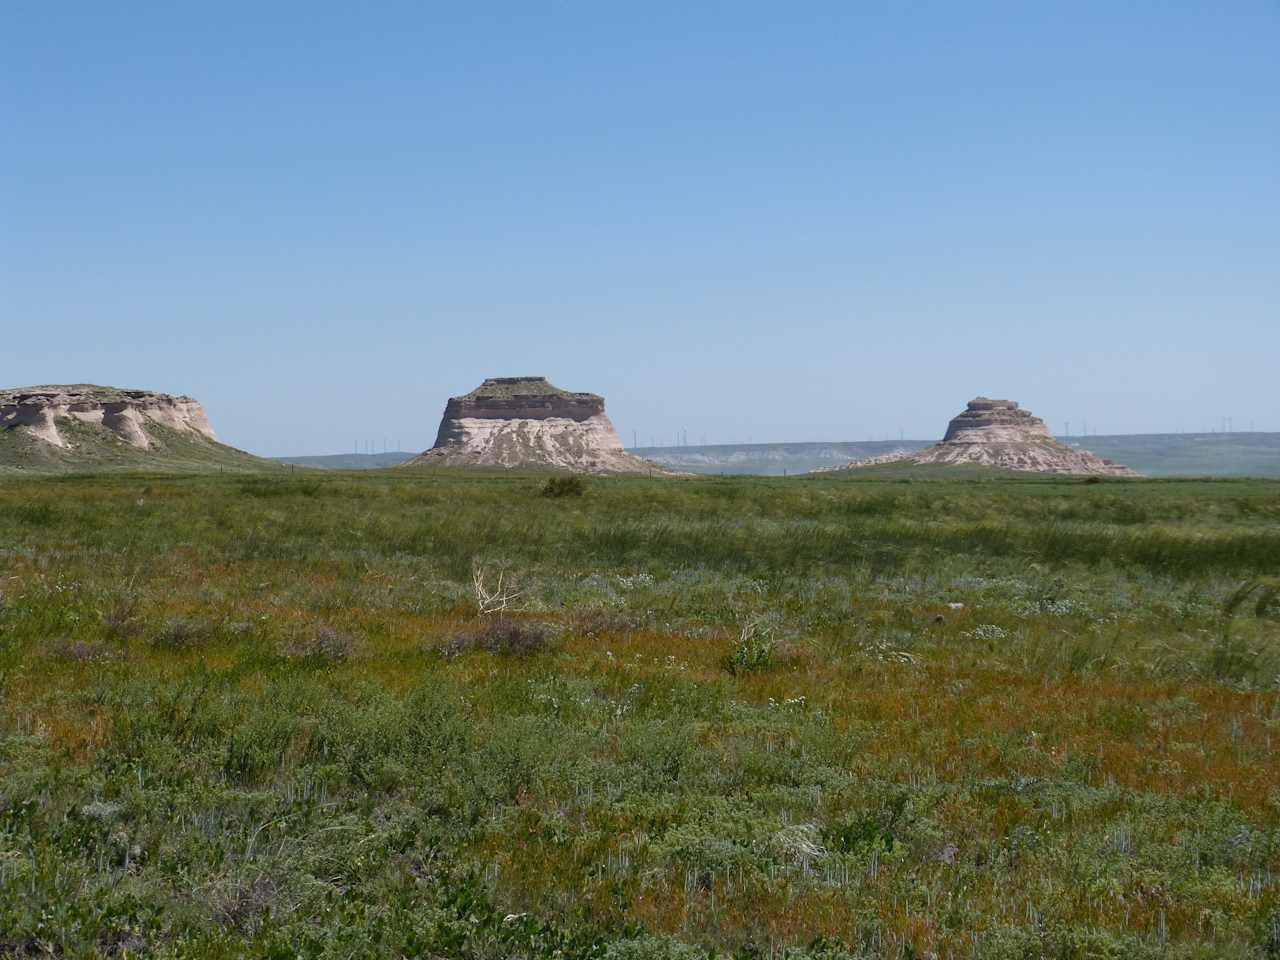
x: 126, y: 414
x: 527, y: 422
x: 1000, y: 434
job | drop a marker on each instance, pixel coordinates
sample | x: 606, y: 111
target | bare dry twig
x: 497, y: 600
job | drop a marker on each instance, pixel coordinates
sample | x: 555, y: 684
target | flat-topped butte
x: 521, y: 398
x: 79, y: 391
x: 529, y: 423
x: 501, y: 388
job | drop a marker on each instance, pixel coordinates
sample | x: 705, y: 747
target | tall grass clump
x: 1231, y: 657
x: 753, y: 649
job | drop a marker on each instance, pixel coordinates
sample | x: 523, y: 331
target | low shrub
x: 508, y: 638
x: 84, y: 651
x: 35, y: 514
x: 243, y: 907
x: 646, y: 947
x: 182, y: 633
x: 595, y: 624
x: 319, y: 642
x: 570, y: 486
x: 120, y: 619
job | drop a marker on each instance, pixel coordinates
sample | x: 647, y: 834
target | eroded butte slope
x: 1001, y: 435
x: 526, y: 422
x: 84, y: 426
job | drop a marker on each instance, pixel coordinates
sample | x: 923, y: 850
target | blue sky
x: 749, y: 220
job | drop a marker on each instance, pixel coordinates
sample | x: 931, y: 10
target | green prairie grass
x: 266, y: 716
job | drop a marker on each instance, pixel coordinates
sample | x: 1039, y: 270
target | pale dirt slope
x: 1001, y: 435
x: 527, y: 423
x: 88, y: 427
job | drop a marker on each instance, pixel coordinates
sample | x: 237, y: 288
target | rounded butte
x: 1000, y: 434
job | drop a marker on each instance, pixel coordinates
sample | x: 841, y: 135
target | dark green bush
x: 570, y: 486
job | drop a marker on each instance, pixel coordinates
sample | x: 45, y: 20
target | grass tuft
x: 754, y: 648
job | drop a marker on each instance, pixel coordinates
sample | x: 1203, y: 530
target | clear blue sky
x: 778, y: 221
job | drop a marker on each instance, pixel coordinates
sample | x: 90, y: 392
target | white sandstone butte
x: 527, y: 422
x: 127, y: 414
x: 1000, y: 434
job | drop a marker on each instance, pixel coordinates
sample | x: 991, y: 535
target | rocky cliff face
x: 502, y: 400
x: 1000, y: 434
x: 45, y: 412
x: 995, y: 421
x: 528, y: 422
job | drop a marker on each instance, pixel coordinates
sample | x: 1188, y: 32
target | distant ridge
x: 349, y: 461
x: 1254, y: 454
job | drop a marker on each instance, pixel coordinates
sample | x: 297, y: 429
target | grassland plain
x: 287, y: 715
